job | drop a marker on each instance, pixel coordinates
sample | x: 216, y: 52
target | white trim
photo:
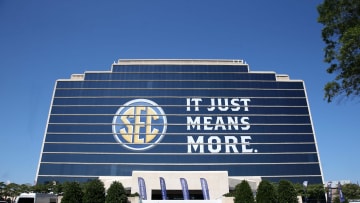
x: 45, y: 132
x: 314, y: 134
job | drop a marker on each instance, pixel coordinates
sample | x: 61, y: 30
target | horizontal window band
x: 188, y: 154
x: 233, y: 170
x: 180, y: 164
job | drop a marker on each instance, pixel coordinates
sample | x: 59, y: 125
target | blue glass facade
x: 179, y: 117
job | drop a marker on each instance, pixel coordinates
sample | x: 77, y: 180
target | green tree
x: 299, y: 188
x: 25, y: 188
x: 72, y: 193
x: 57, y: 188
x: 53, y: 186
x: 41, y: 188
x: 266, y: 193
x: 316, y: 192
x: 286, y: 192
x: 351, y: 191
x: 337, y: 200
x: 243, y: 193
x: 341, y: 34
x: 12, y: 190
x: 116, y: 193
x: 94, y: 192
x: 2, y: 189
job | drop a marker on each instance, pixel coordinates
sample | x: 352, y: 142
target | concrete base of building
x: 218, y: 182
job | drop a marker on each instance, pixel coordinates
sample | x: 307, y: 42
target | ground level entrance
x: 177, y: 195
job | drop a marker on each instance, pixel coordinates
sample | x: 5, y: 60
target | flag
x: 341, y: 195
x: 163, y: 188
x: 185, y: 189
x: 205, y: 189
x: 142, y: 188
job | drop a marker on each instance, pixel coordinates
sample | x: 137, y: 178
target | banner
x: 163, y: 188
x: 185, y: 189
x: 341, y: 195
x: 142, y: 188
x: 205, y: 189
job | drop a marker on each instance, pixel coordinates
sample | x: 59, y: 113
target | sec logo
x: 139, y: 124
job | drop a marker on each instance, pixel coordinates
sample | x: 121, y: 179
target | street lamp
x: 329, y: 192
x: 305, y: 184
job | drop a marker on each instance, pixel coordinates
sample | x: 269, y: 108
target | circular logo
x: 139, y: 124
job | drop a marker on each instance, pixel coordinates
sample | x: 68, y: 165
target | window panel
x: 184, y: 148
x: 126, y: 170
x: 176, y: 92
x: 175, y: 100
x: 179, y: 76
x: 180, y: 84
x: 179, y: 137
x: 172, y: 158
x: 179, y: 68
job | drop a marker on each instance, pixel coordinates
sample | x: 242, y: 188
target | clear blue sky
x: 45, y: 40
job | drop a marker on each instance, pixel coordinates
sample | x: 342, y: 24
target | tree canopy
x: 72, y: 192
x: 94, y: 192
x: 266, y: 193
x: 351, y: 191
x: 316, y: 192
x: 243, y: 193
x: 116, y: 193
x: 341, y: 34
x: 286, y: 192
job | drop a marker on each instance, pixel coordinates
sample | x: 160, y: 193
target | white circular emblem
x: 139, y: 124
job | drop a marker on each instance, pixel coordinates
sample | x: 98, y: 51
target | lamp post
x: 305, y: 184
x: 329, y: 192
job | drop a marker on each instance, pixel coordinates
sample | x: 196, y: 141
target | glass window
x: 176, y: 101
x: 179, y: 76
x: 178, y: 92
x: 184, y: 147
x: 180, y: 158
x: 233, y: 170
x: 180, y: 84
x: 179, y: 68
